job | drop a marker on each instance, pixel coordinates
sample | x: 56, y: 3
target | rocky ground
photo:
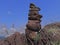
x: 49, y: 35
x: 15, y: 39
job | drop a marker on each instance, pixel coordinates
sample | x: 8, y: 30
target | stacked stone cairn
x: 33, y: 26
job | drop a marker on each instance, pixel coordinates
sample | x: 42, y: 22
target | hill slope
x: 53, y: 31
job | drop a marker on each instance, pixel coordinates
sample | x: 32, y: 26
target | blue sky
x: 16, y: 11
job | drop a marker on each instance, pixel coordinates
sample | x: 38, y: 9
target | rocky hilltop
x: 53, y: 31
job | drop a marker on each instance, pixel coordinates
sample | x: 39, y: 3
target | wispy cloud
x: 9, y: 12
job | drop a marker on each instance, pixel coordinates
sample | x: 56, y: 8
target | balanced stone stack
x: 34, y: 19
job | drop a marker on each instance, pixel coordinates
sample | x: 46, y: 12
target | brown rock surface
x: 53, y: 30
x: 20, y: 39
x: 15, y: 39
